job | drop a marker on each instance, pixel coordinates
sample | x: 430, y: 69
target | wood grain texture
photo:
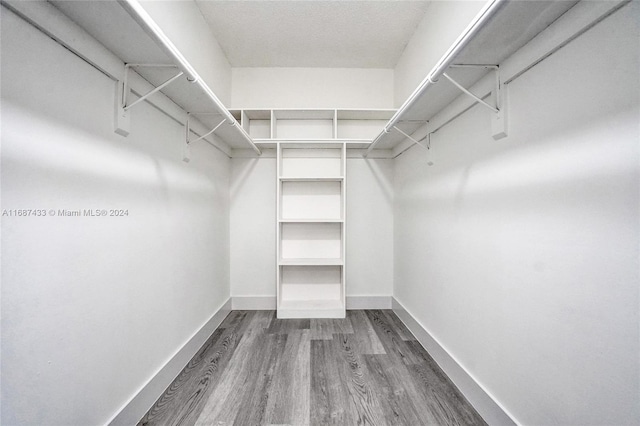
x: 291, y: 382
x: 366, y: 337
x: 394, y: 346
x: 364, y: 404
x: 185, y: 397
x: 329, y: 398
x: 366, y: 369
x: 391, y: 386
x: 325, y: 328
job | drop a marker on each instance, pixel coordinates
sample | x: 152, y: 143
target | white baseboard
x: 490, y: 410
x: 138, y: 406
x: 257, y: 303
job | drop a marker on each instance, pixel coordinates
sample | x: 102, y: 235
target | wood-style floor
x: 367, y: 369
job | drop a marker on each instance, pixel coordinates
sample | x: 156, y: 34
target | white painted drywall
x: 442, y: 24
x: 252, y: 192
x: 312, y: 88
x: 183, y: 23
x: 93, y: 307
x: 521, y: 256
x: 369, y: 227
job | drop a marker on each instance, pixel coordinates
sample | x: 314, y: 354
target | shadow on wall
x: 381, y: 179
x: 82, y: 155
x: 241, y: 177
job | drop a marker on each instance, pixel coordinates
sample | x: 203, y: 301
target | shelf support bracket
x: 420, y: 144
x: 186, y: 147
x: 499, y: 119
x: 468, y: 93
x: 122, y: 117
x: 416, y: 142
x: 499, y: 116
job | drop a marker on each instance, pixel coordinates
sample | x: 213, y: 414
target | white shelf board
x: 258, y: 114
x: 311, y: 179
x: 311, y: 262
x: 310, y: 220
x: 514, y: 25
x: 110, y: 24
x: 304, y: 114
x: 312, y: 143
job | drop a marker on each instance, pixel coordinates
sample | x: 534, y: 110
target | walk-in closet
x: 313, y: 212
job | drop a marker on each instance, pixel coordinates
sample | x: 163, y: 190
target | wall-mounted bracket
x: 416, y: 142
x: 468, y: 93
x: 499, y: 118
x: 122, y: 119
x: 186, y: 147
x: 420, y: 143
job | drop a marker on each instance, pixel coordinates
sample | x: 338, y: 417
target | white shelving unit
x: 311, y: 188
x: 356, y: 127
x: 139, y: 48
x: 501, y: 29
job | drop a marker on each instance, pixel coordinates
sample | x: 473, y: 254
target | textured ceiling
x: 312, y: 33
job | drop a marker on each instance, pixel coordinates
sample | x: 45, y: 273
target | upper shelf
x: 355, y: 127
x: 125, y: 29
x: 499, y: 30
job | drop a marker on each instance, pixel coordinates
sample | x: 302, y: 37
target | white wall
x: 521, y: 256
x: 442, y: 24
x: 253, y: 181
x: 312, y: 88
x: 369, y: 227
x: 92, y: 307
x: 253, y: 226
x: 183, y: 23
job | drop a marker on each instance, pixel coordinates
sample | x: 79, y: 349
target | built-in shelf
x: 311, y: 220
x: 311, y: 179
x: 125, y: 28
x: 311, y: 200
x: 311, y: 230
x: 499, y: 30
x: 312, y: 127
x: 311, y: 262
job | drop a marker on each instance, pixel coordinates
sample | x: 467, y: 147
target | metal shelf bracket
x: 419, y: 142
x: 186, y: 147
x: 499, y: 118
x: 122, y: 118
x: 416, y: 142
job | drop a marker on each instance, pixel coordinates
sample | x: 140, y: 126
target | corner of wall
x: 486, y: 405
x: 144, y: 399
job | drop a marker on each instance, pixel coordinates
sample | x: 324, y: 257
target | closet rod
x: 463, y: 40
x: 152, y: 29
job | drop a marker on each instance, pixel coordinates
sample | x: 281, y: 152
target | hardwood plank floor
x: 366, y: 369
